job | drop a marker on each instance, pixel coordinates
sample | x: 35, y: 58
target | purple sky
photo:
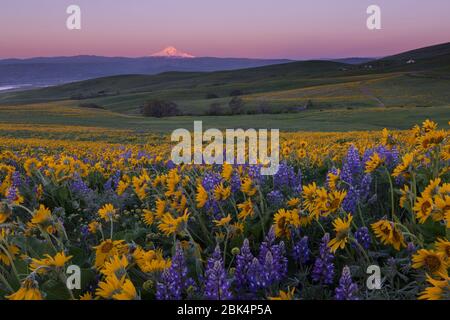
x: 294, y: 29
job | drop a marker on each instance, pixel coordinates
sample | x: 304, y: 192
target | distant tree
x: 90, y: 105
x: 212, y: 96
x: 159, y: 108
x: 215, y: 109
x: 236, y: 93
x: 236, y: 105
x: 264, y: 107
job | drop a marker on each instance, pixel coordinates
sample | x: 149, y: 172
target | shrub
x: 90, y: 105
x: 159, y: 108
x: 236, y: 105
x: 236, y: 93
x: 212, y: 96
x: 215, y: 109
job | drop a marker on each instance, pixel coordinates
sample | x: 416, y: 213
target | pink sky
x: 293, y: 29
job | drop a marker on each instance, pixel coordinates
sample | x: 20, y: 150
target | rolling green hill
x: 317, y: 88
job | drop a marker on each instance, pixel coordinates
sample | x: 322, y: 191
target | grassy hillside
x: 370, y: 118
x: 364, y: 96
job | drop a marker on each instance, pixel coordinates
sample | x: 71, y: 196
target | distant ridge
x: 48, y: 71
x: 352, y: 60
x: 422, y: 53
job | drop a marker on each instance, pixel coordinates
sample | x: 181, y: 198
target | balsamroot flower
x: 438, y: 289
x: 29, y: 290
x: 434, y: 262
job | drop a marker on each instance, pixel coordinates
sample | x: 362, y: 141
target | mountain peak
x: 172, y: 52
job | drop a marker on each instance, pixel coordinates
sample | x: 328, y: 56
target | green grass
x: 370, y: 118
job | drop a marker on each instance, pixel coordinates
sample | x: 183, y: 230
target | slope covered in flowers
x: 140, y: 227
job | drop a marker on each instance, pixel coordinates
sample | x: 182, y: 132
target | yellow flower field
x: 112, y: 203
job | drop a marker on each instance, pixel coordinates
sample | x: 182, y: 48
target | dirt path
x: 365, y: 90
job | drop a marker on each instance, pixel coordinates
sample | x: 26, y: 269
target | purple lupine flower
x: 235, y: 182
x: 142, y: 154
x: 287, y: 178
x: 277, y: 252
x: 275, y: 198
x: 347, y: 288
x: 390, y: 156
x: 323, y: 270
x: 78, y: 186
x: 170, y: 165
x: 301, y: 251
x: 282, y: 179
x: 13, y: 190
x: 126, y: 155
x: 217, y: 286
x: 262, y: 274
x: 12, y: 194
x: 352, y: 165
x: 211, y: 180
x: 84, y: 231
x: 350, y: 203
x: 270, y: 270
x: 108, y: 185
x: 28, y: 181
x: 365, y: 184
x: 362, y: 236
x: 113, y: 181
x: 254, y: 172
x: 255, y: 278
x: 174, y: 281
x: 16, y: 179
x: 243, y: 261
x: 298, y: 182
x: 116, y: 179
x: 411, y: 248
x: 351, y: 171
x: 357, y: 183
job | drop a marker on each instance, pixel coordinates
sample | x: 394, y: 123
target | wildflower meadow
x: 133, y: 225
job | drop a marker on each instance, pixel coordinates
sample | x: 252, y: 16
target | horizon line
x: 226, y: 57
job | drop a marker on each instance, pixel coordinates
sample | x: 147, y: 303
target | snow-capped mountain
x: 47, y: 71
x: 172, y: 52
